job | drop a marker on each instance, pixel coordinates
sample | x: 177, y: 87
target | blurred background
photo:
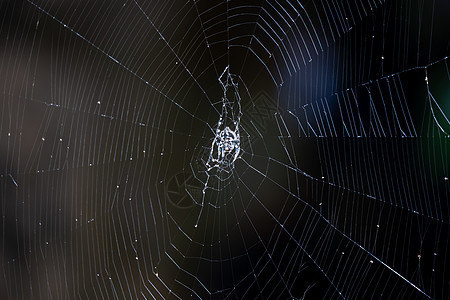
x: 108, y: 112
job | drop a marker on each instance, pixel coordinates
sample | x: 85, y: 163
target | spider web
x: 224, y: 149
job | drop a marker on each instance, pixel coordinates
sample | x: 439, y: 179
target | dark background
x: 109, y: 107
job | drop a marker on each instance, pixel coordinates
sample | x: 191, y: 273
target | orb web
x: 224, y: 149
